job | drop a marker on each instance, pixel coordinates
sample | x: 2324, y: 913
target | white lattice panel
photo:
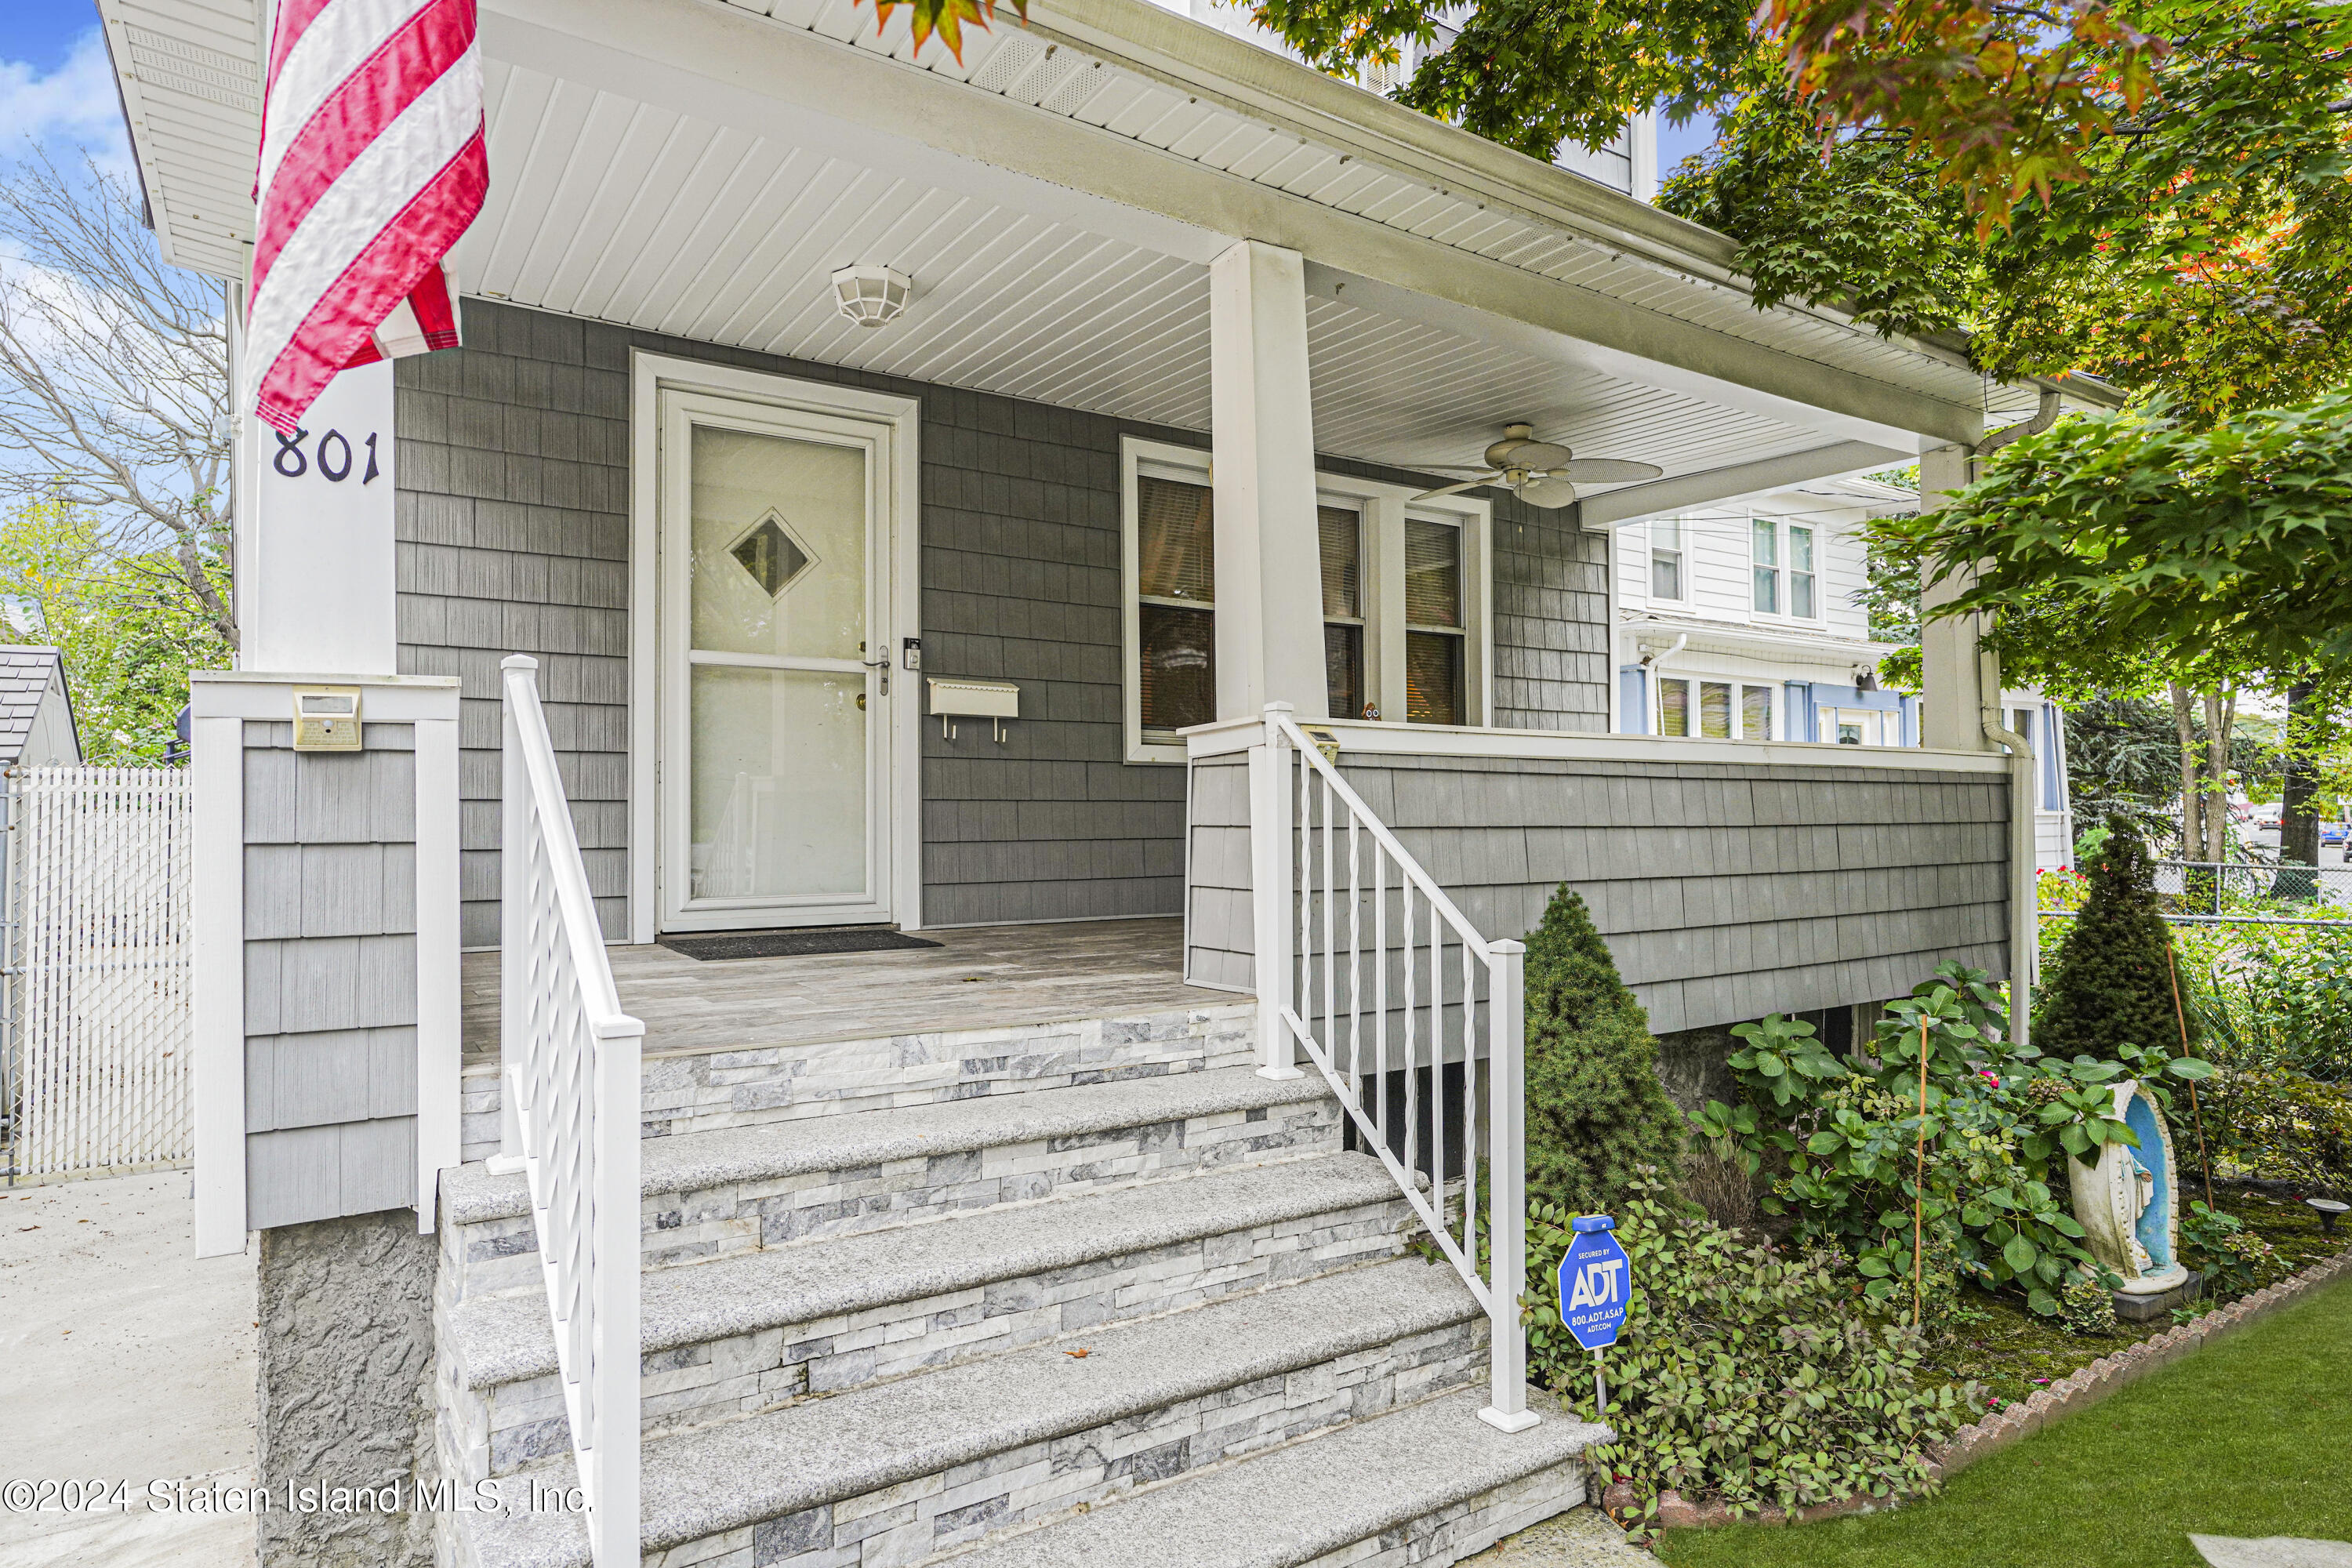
x: 99, y: 1027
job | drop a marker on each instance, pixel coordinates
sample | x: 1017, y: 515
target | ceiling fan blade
x: 1551, y: 491
x: 1456, y: 468
x: 1454, y: 489
x: 1608, y: 472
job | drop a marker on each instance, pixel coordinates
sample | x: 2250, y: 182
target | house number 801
x: 333, y: 455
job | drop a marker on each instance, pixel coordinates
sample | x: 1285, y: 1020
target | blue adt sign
x: 1595, y: 1276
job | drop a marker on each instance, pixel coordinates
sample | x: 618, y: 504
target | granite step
x: 753, y: 1332
x: 902, y: 1470
x: 741, y: 1188
x: 1426, y: 1486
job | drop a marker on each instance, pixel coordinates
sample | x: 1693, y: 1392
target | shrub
x: 2087, y: 1308
x: 2001, y: 1121
x: 2112, y: 983
x: 1743, y: 1369
x: 2278, y: 996
x: 2232, y: 1259
x: 2275, y: 1122
x: 1596, y: 1110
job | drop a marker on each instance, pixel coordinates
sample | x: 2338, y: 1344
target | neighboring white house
x: 1628, y: 165
x: 1745, y: 621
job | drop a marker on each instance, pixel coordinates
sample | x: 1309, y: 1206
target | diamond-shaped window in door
x: 773, y: 557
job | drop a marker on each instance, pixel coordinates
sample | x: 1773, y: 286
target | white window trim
x: 1384, y: 508
x: 1774, y: 722
x: 1682, y: 554
x: 1780, y: 526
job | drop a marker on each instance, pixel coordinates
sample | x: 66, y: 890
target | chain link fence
x: 95, y: 1029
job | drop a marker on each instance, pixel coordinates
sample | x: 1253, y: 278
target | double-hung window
x: 1666, y: 558
x: 1436, y: 658
x: 1788, y: 580
x: 1175, y: 605
x: 1404, y: 600
x: 1339, y: 534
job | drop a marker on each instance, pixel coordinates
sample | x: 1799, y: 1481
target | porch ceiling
x: 700, y: 168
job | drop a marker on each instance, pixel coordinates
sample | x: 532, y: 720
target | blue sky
x: 54, y: 85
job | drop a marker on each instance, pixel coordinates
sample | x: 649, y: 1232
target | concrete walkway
x: 125, y: 1360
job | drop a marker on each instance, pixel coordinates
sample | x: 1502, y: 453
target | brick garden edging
x: 2078, y: 1390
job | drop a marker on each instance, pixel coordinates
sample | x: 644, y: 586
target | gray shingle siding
x: 514, y: 538
x: 1726, y: 892
x: 331, y: 975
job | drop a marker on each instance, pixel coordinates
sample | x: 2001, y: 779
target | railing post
x: 1271, y: 879
x: 1507, y: 1406
x: 514, y: 832
x: 617, y: 1242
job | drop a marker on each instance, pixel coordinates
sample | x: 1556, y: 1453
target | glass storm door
x: 774, y: 756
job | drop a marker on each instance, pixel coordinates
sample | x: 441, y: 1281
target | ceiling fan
x: 1543, y: 473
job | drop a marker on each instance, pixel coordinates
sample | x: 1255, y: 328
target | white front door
x: 775, y: 544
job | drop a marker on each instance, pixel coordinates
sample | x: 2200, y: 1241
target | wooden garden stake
x: 1919, y: 1194
x: 2180, y: 1016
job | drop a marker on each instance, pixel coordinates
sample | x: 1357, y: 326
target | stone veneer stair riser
x: 503, y: 1427
x: 678, y: 1226
x: 701, y: 1090
x: 918, y: 1519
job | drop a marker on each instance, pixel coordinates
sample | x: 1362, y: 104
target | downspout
x: 1651, y: 661
x: 2024, y: 922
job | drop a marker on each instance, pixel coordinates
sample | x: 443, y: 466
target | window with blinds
x: 1176, y: 574
x: 1340, y: 532
x: 1673, y: 708
x: 1715, y: 709
x: 1755, y: 712
x: 1436, y: 656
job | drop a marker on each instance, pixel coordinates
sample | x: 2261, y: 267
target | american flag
x: 372, y: 167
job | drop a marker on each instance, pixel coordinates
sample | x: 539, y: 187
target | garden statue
x: 2128, y: 1204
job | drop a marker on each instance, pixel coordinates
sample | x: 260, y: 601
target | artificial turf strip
x: 2250, y: 1437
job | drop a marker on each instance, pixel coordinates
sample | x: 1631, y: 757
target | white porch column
x: 1962, y: 682
x: 314, y: 535
x: 1269, y: 580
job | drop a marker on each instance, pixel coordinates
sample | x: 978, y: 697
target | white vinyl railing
x: 571, y: 1059
x: 1363, y: 962
x: 94, y: 1060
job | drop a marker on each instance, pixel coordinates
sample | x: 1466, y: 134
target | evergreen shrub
x: 1596, y: 1111
x: 2112, y: 983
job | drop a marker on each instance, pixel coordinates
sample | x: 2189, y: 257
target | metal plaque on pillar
x: 315, y: 545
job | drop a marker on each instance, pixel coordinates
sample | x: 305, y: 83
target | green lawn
x: 2251, y: 1437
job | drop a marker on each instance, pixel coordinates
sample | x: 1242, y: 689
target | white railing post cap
x: 518, y: 661
x: 1280, y: 708
x: 1506, y: 944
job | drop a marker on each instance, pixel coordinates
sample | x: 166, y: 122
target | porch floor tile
x: 980, y: 977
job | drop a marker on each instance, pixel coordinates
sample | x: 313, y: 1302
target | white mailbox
x: 954, y: 698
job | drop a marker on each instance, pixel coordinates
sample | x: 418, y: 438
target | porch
x: 739, y: 1042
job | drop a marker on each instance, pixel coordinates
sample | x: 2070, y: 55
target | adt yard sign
x: 1595, y: 1276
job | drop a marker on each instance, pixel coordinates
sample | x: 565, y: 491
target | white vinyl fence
x: 94, y: 1074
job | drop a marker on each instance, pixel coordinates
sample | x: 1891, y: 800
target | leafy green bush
x: 2112, y: 983
x: 2232, y: 1259
x: 2278, y: 996
x: 2275, y: 1122
x: 2087, y: 1308
x: 1596, y: 1111
x: 1743, y: 1369
x: 1845, y: 1139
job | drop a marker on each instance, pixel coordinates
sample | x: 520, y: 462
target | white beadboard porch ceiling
x: 669, y: 185
x: 621, y: 211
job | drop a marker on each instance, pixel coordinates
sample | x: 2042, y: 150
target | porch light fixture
x: 1866, y: 680
x: 870, y: 295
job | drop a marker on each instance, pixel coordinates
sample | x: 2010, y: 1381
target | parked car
x: 2269, y: 813
x: 2333, y: 832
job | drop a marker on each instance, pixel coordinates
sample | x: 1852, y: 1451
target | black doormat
x: 795, y: 942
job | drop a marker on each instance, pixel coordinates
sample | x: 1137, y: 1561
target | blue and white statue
x: 2129, y: 1203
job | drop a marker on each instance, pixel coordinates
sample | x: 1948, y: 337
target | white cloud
x: 75, y: 104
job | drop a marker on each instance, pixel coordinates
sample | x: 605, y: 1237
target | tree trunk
x: 2298, y: 798
x: 2220, y: 713
x: 2192, y: 820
